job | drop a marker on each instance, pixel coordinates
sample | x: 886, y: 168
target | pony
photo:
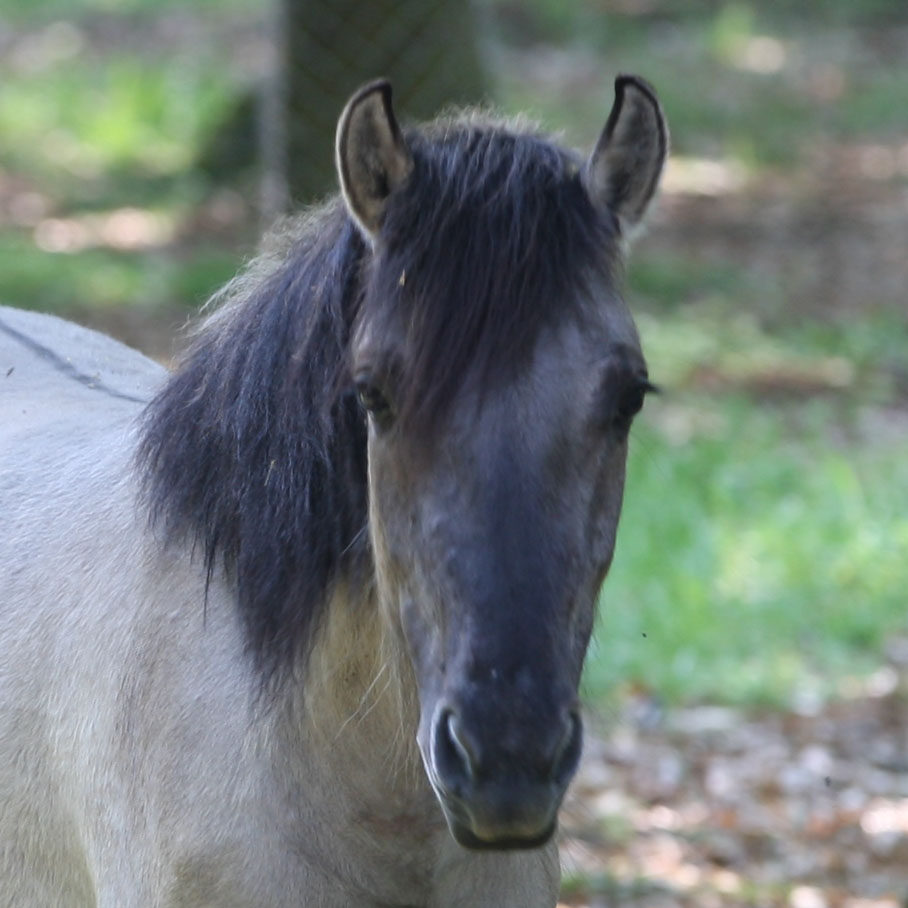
x: 303, y: 621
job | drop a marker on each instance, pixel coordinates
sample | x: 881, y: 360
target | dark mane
x: 256, y: 446
x: 253, y: 449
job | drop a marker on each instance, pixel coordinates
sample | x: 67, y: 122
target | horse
x: 302, y: 621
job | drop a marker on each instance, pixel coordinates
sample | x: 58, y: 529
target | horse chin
x: 490, y: 834
x: 467, y: 838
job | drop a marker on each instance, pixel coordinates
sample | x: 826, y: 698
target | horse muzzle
x: 499, y: 790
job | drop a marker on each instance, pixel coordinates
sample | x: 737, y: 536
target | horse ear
x: 624, y: 169
x: 371, y: 154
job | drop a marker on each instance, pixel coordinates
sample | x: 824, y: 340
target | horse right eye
x: 374, y: 402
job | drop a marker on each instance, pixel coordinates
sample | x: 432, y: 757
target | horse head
x: 500, y: 371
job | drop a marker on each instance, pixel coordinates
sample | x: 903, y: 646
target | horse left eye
x: 629, y: 403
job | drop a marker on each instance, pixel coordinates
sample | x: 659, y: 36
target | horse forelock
x: 493, y: 238
x: 255, y: 449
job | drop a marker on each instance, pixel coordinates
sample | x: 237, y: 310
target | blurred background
x: 748, y: 685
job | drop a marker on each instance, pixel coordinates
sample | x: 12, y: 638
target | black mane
x: 256, y: 446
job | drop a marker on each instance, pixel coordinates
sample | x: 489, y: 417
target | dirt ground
x: 706, y: 806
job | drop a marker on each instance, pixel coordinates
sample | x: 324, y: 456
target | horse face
x: 492, y: 533
x: 491, y: 543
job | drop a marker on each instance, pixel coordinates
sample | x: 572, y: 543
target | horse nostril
x: 568, y: 754
x: 461, y: 762
x: 454, y: 756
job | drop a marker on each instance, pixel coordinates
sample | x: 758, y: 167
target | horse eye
x: 373, y: 401
x: 630, y: 403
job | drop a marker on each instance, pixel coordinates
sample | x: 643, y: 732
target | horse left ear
x: 371, y: 155
x: 624, y: 169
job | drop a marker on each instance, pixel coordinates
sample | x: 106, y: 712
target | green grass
x: 40, y: 12
x: 104, y: 278
x: 78, y: 126
x: 871, y: 101
x: 88, y: 132
x: 757, y: 554
x: 763, y: 547
x: 669, y: 280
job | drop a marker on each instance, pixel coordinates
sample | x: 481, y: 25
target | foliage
x: 764, y: 545
x: 758, y: 556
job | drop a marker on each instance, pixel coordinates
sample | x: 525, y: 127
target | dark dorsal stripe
x: 64, y: 367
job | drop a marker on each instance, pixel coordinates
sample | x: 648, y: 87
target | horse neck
x: 346, y: 761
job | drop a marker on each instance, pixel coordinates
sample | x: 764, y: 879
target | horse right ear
x: 624, y: 169
x: 371, y: 154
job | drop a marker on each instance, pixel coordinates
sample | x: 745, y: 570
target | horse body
x: 160, y: 745
x: 137, y: 761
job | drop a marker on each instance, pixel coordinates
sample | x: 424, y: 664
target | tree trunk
x: 328, y: 48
